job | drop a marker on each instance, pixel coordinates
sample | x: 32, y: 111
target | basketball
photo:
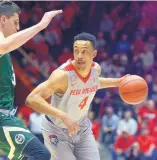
x: 133, y: 89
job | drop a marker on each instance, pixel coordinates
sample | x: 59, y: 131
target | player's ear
x: 3, y: 19
x: 94, y: 53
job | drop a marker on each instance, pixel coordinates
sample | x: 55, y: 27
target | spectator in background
x: 123, y: 45
x: 96, y: 103
x: 122, y: 145
x: 147, y: 145
x: 95, y: 126
x: 149, y: 111
x: 112, y: 43
x: 123, y: 60
x: 138, y: 46
x: 143, y: 124
x: 154, y: 93
x: 37, y: 12
x: 106, y: 25
x: 40, y: 45
x: 136, y: 10
x: 65, y: 55
x: 32, y: 68
x: 149, y: 80
x: 105, y: 63
x: 147, y: 57
x: 137, y: 66
x: 150, y: 9
x: 115, y: 9
x: 115, y: 71
x: 25, y: 17
x: 53, y: 34
x: 155, y: 54
x: 151, y: 43
x: 24, y: 113
x: 102, y: 55
x: 45, y: 68
x: 100, y: 43
x: 128, y: 122
x: 70, y: 11
x: 154, y: 132
x: 109, y: 126
x: 134, y: 153
x: 35, y: 125
x: 144, y: 23
x: 53, y: 65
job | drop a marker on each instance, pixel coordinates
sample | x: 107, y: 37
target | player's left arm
x: 108, y: 82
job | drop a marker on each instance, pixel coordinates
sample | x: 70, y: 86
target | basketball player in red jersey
x: 66, y: 128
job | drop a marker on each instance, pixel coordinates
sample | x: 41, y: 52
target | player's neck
x: 2, y: 33
x: 82, y: 72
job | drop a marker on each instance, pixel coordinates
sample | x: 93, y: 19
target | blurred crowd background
x: 126, y: 42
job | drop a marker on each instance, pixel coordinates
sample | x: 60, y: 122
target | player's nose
x: 80, y: 55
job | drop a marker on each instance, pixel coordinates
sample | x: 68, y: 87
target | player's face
x: 127, y: 115
x: 83, y: 54
x: 10, y: 25
x: 125, y: 134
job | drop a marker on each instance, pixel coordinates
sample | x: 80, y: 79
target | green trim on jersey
x: 14, y: 136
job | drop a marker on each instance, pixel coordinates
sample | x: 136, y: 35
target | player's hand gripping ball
x: 133, y: 89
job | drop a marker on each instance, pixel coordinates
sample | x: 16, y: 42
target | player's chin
x: 15, y: 31
x: 80, y: 66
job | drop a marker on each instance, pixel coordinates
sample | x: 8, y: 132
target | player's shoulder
x: 67, y: 66
x: 97, y: 67
x: 95, y: 64
x: 1, y: 36
x: 58, y: 79
x: 58, y: 75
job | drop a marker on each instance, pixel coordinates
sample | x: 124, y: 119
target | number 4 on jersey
x: 83, y: 103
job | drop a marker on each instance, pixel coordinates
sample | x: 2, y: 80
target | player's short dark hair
x: 86, y: 37
x: 8, y: 8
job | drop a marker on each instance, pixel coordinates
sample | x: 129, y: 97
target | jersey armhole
x: 95, y: 69
x: 68, y: 85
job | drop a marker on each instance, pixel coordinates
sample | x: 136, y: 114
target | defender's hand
x: 71, y: 125
x: 48, y: 17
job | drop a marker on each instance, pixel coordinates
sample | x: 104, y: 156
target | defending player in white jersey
x: 66, y: 128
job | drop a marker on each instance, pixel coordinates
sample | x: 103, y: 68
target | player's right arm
x: 108, y: 82
x: 18, y: 39
x: 57, y: 83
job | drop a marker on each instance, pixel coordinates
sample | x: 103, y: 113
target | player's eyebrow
x: 85, y: 47
x: 81, y: 47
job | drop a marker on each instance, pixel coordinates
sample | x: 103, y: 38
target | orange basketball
x: 133, y: 89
